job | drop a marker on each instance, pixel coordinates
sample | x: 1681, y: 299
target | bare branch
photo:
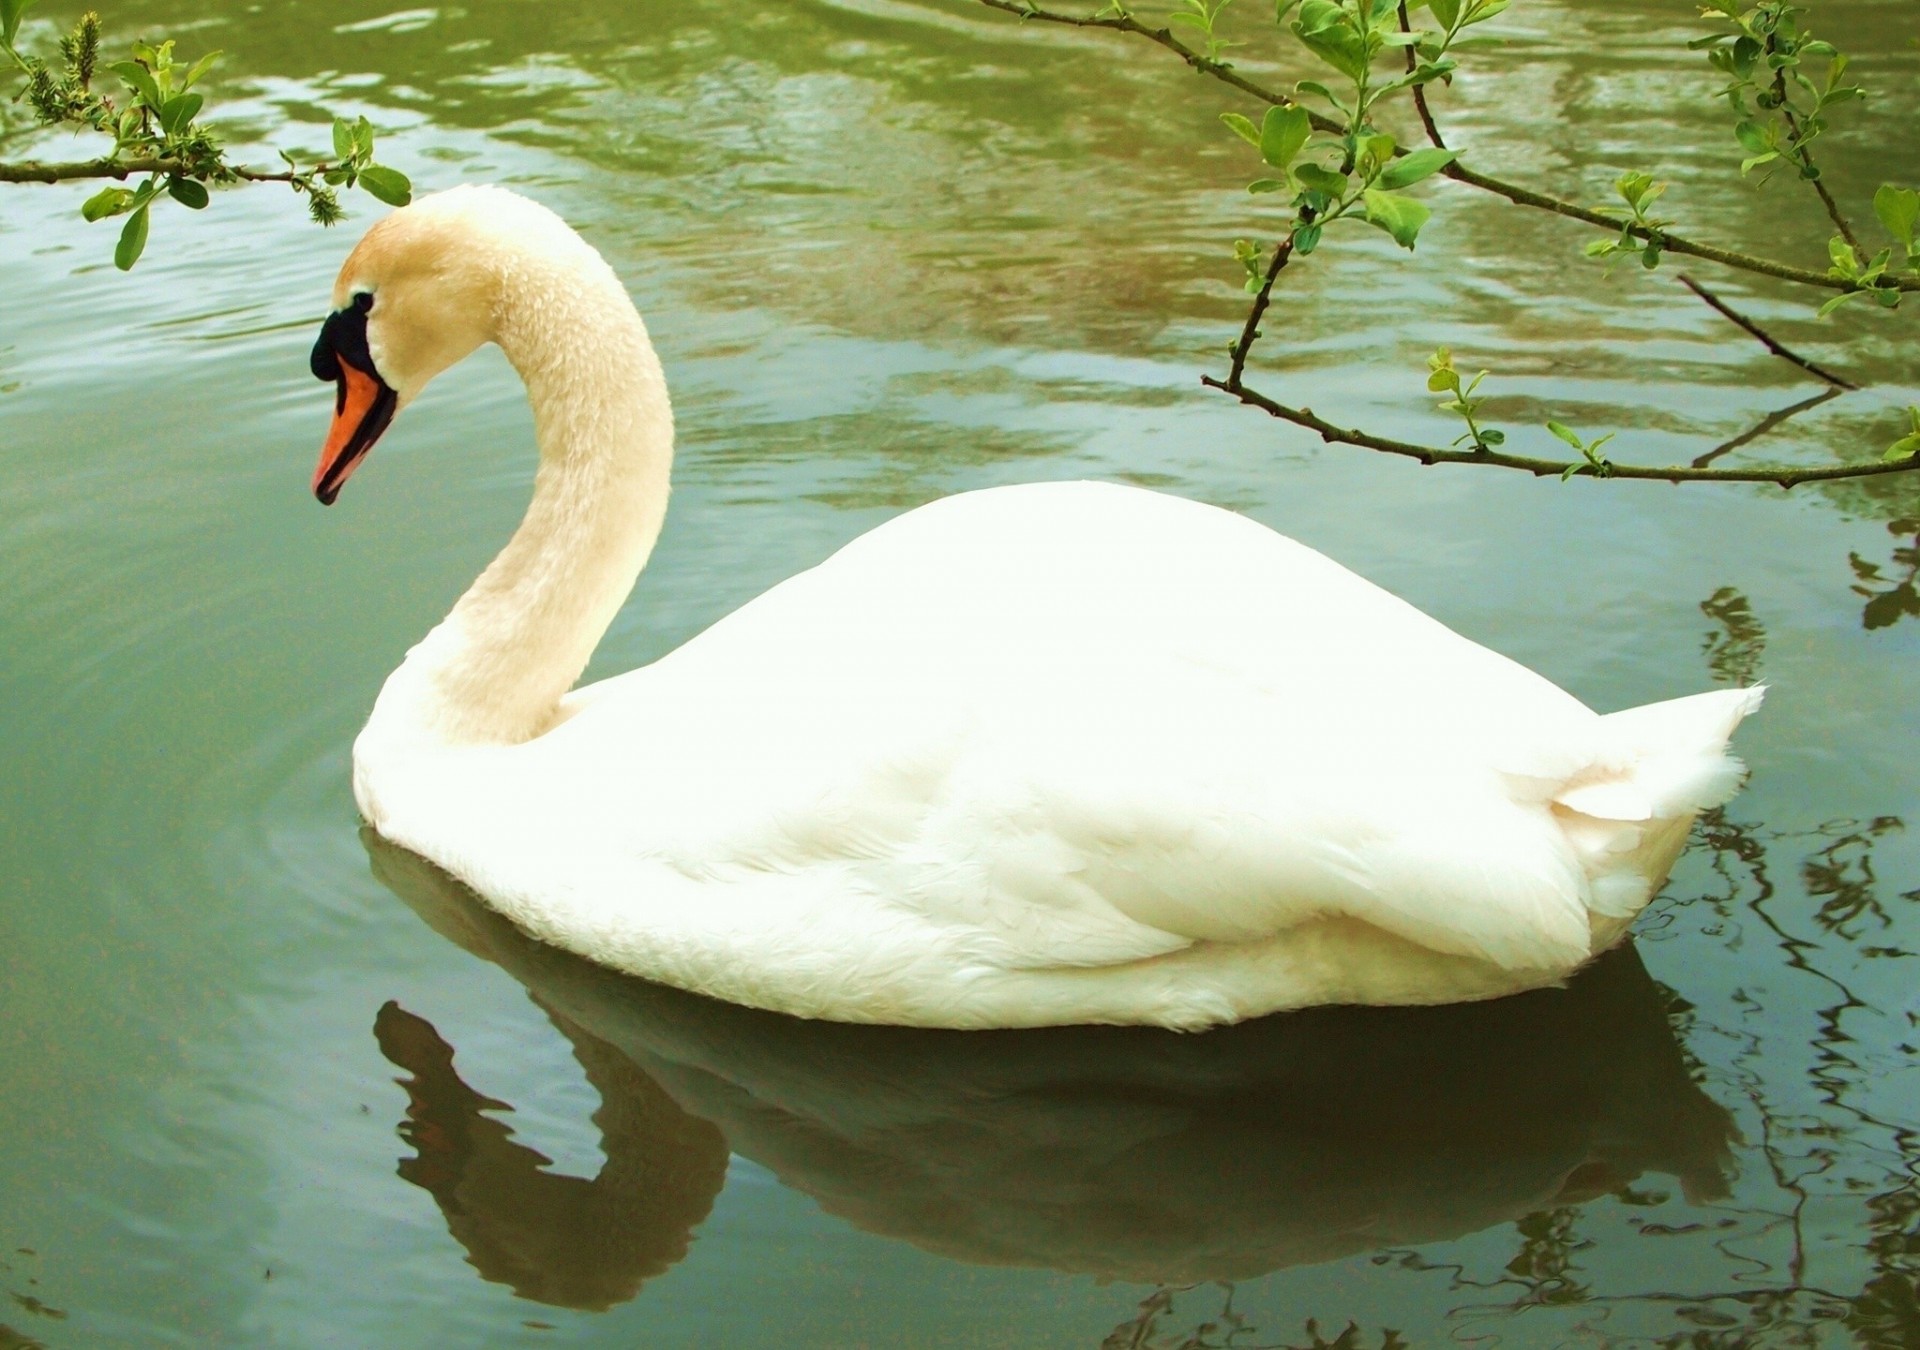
x: 1250, y: 331
x: 1779, y: 475
x: 1126, y: 23
x: 1765, y: 339
x: 1419, y: 90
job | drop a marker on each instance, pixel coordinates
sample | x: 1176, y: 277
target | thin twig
x: 1806, y: 160
x: 1779, y: 475
x: 1419, y: 90
x: 1250, y: 331
x: 1767, y: 424
x: 1765, y: 339
x: 1457, y: 171
x: 1126, y: 23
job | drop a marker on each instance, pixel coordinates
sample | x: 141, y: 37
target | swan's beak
x: 362, y: 409
x: 363, y: 404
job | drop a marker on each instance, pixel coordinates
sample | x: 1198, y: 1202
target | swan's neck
x: 495, y: 670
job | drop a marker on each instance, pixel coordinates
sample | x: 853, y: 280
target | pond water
x: 264, y: 1082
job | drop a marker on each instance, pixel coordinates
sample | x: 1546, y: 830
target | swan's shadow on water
x: 1128, y: 1153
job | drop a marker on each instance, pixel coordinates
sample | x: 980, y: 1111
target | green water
x: 889, y: 251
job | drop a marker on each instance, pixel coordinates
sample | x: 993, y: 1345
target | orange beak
x: 362, y: 408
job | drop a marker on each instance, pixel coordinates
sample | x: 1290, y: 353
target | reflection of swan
x: 558, y: 1239
x: 1067, y: 752
x: 1135, y: 1153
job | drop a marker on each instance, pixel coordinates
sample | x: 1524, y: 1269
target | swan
x: 1047, y: 754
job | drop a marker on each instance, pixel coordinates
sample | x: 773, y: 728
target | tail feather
x: 1663, y: 760
x: 1645, y: 775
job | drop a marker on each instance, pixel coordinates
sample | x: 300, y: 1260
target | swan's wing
x: 1226, y: 816
x: 1080, y: 725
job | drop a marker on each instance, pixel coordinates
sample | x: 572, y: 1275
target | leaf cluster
x: 152, y: 115
x: 1781, y: 106
x: 1898, y: 210
x: 1442, y: 378
x: 1640, y: 233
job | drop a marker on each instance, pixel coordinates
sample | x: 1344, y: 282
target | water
x: 892, y: 250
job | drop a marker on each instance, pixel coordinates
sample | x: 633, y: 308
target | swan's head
x: 419, y: 293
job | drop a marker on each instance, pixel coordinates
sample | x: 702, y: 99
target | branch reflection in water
x: 1122, y: 1153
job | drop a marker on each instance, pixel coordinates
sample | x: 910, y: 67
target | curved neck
x: 495, y: 670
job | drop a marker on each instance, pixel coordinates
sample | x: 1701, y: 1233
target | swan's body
x: 1067, y: 752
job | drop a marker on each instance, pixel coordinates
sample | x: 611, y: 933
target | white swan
x: 1066, y: 752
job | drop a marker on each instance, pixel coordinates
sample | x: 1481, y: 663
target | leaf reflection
x: 1890, y: 598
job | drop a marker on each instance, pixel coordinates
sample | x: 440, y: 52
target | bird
x: 1041, y: 754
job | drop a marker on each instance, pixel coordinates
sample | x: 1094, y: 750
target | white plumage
x: 1055, y: 753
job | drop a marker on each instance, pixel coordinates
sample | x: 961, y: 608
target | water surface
x: 254, y: 1070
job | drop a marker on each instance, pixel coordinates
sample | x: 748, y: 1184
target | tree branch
x: 46, y: 171
x: 1126, y: 23
x: 1419, y: 90
x: 1806, y: 159
x: 1780, y: 475
x: 1457, y: 171
x: 1766, y: 340
x: 1250, y: 331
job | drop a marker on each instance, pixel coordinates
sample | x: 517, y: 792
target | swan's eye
x: 363, y: 301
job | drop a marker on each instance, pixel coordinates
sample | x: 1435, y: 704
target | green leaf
x: 1490, y: 436
x: 1753, y: 136
x: 1283, y: 131
x: 1835, y: 303
x: 188, y: 193
x: 1844, y: 263
x: 1447, y: 12
x: 140, y: 80
x: 1410, y: 169
x: 342, y: 139
x: 389, y: 185
x: 1747, y: 166
x: 1399, y: 216
x: 1261, y: 186
x: 11, y: 12
x: 1375, y: 151
x: 200, y: 67
x: 1242, y: 128
x: 1486, y: 9
x: 179, y: 111
x: 363, y: 138
x: 1320, y: 179
x: 1903, y: 448
x: 106, y: 202
x: 1899, y: 210
x: 1327, y: 30
x: 1315, y: 87
x: 133, y: 240
x: 1306, y: 239
x: 1567, y: 434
